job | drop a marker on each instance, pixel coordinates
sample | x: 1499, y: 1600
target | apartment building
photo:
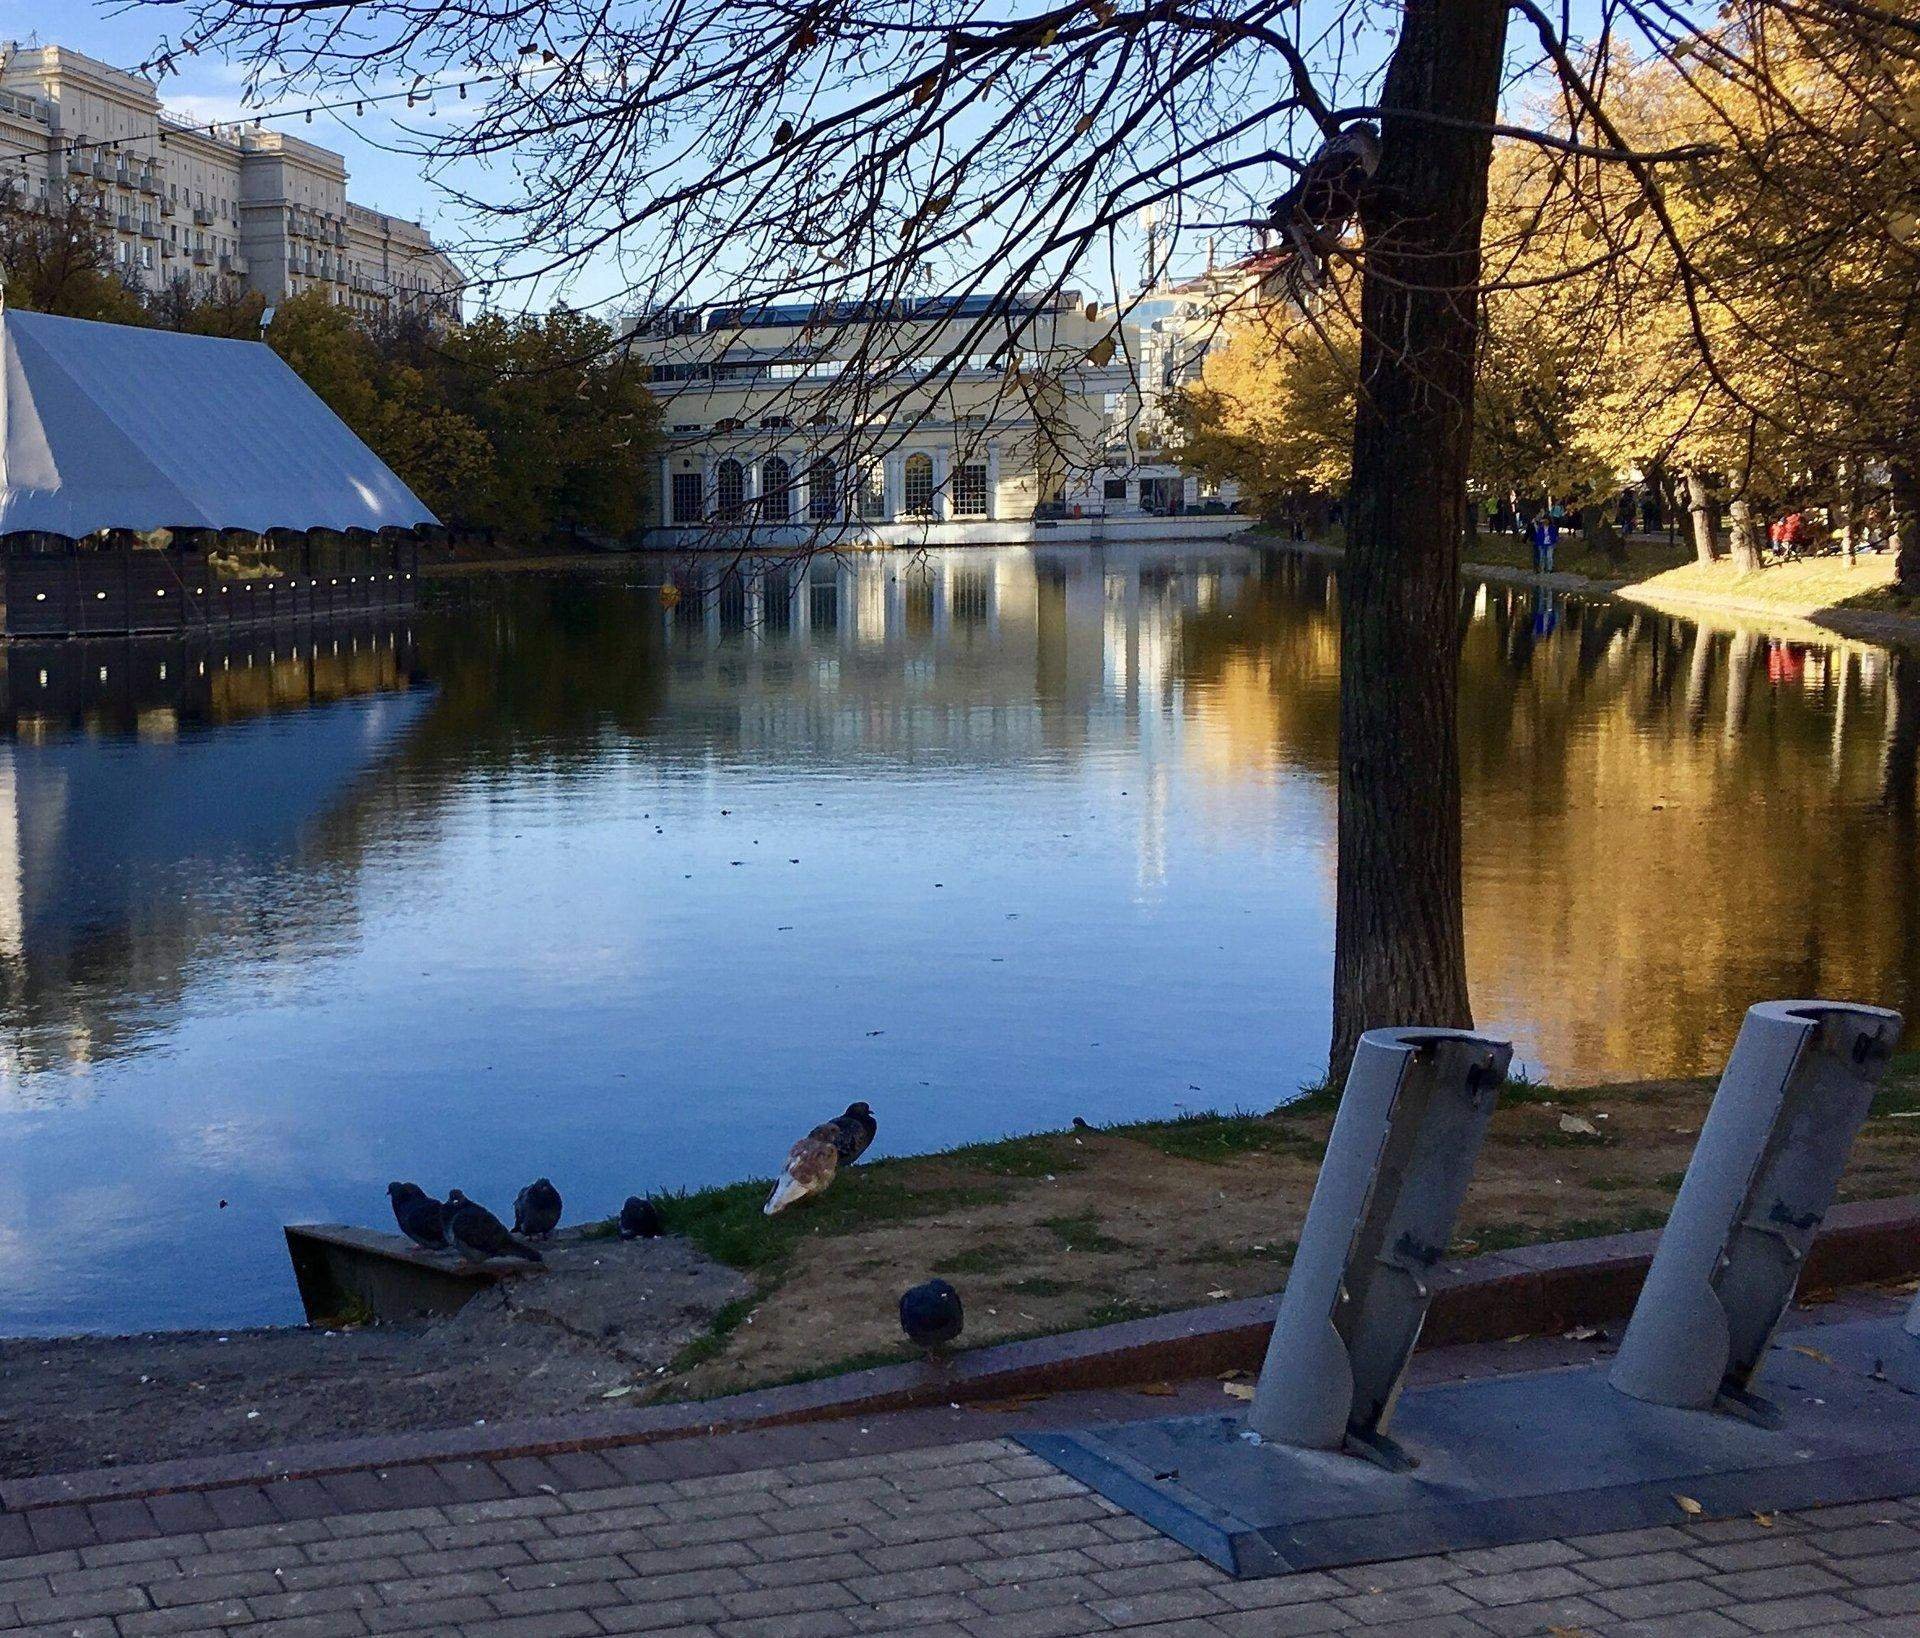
x: 959, y: 419
x: 184, y: 202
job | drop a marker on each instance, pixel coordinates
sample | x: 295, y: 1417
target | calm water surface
x: 556, y: 880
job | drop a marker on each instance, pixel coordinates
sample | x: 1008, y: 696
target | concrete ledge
x: 1530, y: 1290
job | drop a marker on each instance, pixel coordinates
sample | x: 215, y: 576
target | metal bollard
x: 1770, y: 1154
x: 1411, y: 1119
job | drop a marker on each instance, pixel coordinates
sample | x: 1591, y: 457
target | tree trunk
x: 1744, y: 536
x: 1904, y: 497
x: 1700, y: 508
x: 1399, y: 953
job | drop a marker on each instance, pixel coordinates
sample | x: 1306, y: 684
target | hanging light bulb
x: 359, y: 108
x: 309, y: 116
x: 463, y: 90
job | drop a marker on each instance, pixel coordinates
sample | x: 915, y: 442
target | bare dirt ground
x: 1084, y: 1228
x: 603, y: 1316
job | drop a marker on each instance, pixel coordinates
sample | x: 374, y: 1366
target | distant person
x: 1796, y: 535
x: 1545, y: 537
x: 1650, y: 512
x: 1623, y: 512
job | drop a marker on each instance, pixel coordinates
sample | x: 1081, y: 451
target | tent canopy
x: 103, y: 426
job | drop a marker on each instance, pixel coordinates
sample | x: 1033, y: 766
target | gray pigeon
x: 640, y: 1219
x: 931, y: 1314
x: 536, y: 1209
x: 849, y: 1133
x: 477, y: 1234
x: 422, y: 1219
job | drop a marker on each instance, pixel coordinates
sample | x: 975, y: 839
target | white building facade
x: 960, y: 420
x: 182, y: 202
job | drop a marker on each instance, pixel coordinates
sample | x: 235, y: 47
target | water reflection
x: 996, y: 838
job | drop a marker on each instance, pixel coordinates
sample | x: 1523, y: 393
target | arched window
x: 917, y: 487
x: 823, y: 504
x: 729, y: 488
x: 776, y: 489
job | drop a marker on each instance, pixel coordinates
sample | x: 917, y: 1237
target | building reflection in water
x: 1002, y: 836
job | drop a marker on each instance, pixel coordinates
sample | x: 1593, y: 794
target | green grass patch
x: 727, y: 1222
x: 1116, y: 1309
x: 1611, y: 1185
x: 1081, y: 1232
x: 1219, y: 1138
x: 986, y: 1259
x: 1042, y: 1285
x: 727, y: 1319
x: 1042, y: 1155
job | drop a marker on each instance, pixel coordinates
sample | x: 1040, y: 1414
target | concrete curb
x: 1530, y: 1290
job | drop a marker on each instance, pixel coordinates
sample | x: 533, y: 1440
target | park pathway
x: 931, y: 1523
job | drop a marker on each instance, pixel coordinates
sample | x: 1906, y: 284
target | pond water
x: 559, y: 879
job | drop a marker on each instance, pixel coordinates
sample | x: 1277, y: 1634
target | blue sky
x: 125, y: 32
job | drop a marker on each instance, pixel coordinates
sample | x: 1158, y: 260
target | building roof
x: 103, y: 426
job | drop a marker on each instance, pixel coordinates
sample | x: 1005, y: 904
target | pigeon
x: 422, y: 1219
x: 477, y: 1234
x: 849, y: 1133
x: 930, y: 1314
x: 536, y: 1209
x: 640, y: 1219
x: 810, y: 1166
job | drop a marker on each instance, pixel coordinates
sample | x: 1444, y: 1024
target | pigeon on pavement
x: 536, y: 1209
x: 477, y: 1234
x: 640, y: 1219
x: 422, y: 1219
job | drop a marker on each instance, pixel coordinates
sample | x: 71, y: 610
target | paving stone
x: 1405, y: 1604
x: 1281, y: 1621
x: 1782, y: 1581
x: 1762, y: 1552
x: 1523, y: 1586
x: 1065, y: 1622
x: 1529, y: 1620
x: 1050, y: 1592
x: 1660, y: 1599
x: 1698, y: 1624
x: 1787, y: 1614
x: 1640, y: 1569
x: 1142, y: 1608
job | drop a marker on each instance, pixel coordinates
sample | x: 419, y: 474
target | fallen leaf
x: 1764, y: 1520
x: 1238, y: 1390
x: 1688, y: 1505
x: 1019, y: 1402
x: 1579, y: 1124
x: 1813, y: 1354
x: 1157, y: 1390
x: 617, y: 1393
x: 1218, y: 1292
x: 1582, y: 1333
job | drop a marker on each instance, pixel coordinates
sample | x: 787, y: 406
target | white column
x: 891, y: 481
x: 942, y: 473
x: 993, y: 480
x: 666, y: 489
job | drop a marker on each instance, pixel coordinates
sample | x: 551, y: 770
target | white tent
x: 103, y: 426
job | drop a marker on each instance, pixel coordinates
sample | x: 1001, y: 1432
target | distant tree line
x: 524, y: 428
x: 1754, y: 350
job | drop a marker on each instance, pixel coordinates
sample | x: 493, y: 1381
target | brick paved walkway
x: 929, y: 1523
x: 976, y: 1540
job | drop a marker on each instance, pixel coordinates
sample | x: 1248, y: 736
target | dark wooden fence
x: 84, y: 591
